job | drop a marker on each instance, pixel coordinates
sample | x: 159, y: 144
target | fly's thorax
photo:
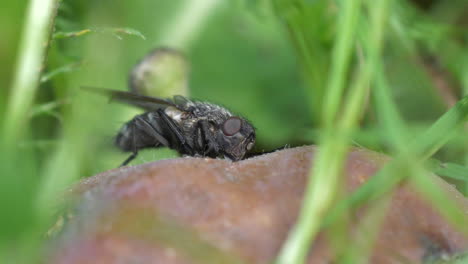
x: 185, y: 120
x: 210, y: 112
x: 176, y: 114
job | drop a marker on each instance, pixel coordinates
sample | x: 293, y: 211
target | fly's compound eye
x: 232, y: 126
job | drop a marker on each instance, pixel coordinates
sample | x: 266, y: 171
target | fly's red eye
x: 232, y: 126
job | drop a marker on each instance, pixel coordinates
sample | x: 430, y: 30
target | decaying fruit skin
x: 169, y: 211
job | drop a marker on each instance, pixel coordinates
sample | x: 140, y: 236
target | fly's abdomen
x: 141, y: 132
x: 125, y: 138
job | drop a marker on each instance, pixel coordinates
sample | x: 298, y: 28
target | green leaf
x: 453, y: 171
x: 70, y: 34
x: 117, y: 32
x: 64, y: 69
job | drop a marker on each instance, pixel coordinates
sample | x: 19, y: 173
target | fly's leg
x: 130, y: 158
x: 186, y: 148
x: 142, y: 124
x: 151, y: 130
x: 199, y: 140
x: 211, y: 146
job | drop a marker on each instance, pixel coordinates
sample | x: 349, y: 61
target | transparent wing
x: 181, y: 102
x: 145, y: 102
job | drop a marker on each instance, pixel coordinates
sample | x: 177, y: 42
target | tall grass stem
x: 30, y: 62
x: 321, y: 191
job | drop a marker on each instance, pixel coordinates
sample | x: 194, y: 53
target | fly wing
x: 145, y: 102
x: 182, y: 102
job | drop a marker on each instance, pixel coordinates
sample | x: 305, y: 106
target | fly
x: 190, y: 127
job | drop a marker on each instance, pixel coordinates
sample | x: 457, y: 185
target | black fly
x: 191, y: 127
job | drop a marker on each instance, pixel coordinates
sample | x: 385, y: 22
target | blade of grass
x: 365, y: 233
x: 46, y: 107
x: 320, y: 192
x: 117, y: 32
x: 389, y: 116
x: 328, y: 165
x: 189, y: 21
x: 422, y: 148
x: 426, y: 184
x: 19, y: 168
x: 341, y: 56
x: 34, y: 39
x: 63, y: 69
x: 454, y: 171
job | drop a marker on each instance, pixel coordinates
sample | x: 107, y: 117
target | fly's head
x: 236, y: 137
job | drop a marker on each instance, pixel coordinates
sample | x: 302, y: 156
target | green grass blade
x: 115, y: 31
x: 341, y: 56
x: 454, y: 171
x: 36, y: 33
x: 328, y: 164
x: 390, y: 175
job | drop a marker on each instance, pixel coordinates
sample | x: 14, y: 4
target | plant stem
x: 341, y: 56
x: 32, y: 51
x: 188, y: 21
x: 424, y: 147
x: 321, y: 191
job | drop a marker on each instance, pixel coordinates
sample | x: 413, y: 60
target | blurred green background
x: 266, y: 60
x: 240, y: 55
x: 238, y: 58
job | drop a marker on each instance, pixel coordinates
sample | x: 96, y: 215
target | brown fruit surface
x: 194, y: 210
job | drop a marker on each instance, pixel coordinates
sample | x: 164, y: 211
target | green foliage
x: 116, y: 32
x: 454, y: 171
x: 337, y: 73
